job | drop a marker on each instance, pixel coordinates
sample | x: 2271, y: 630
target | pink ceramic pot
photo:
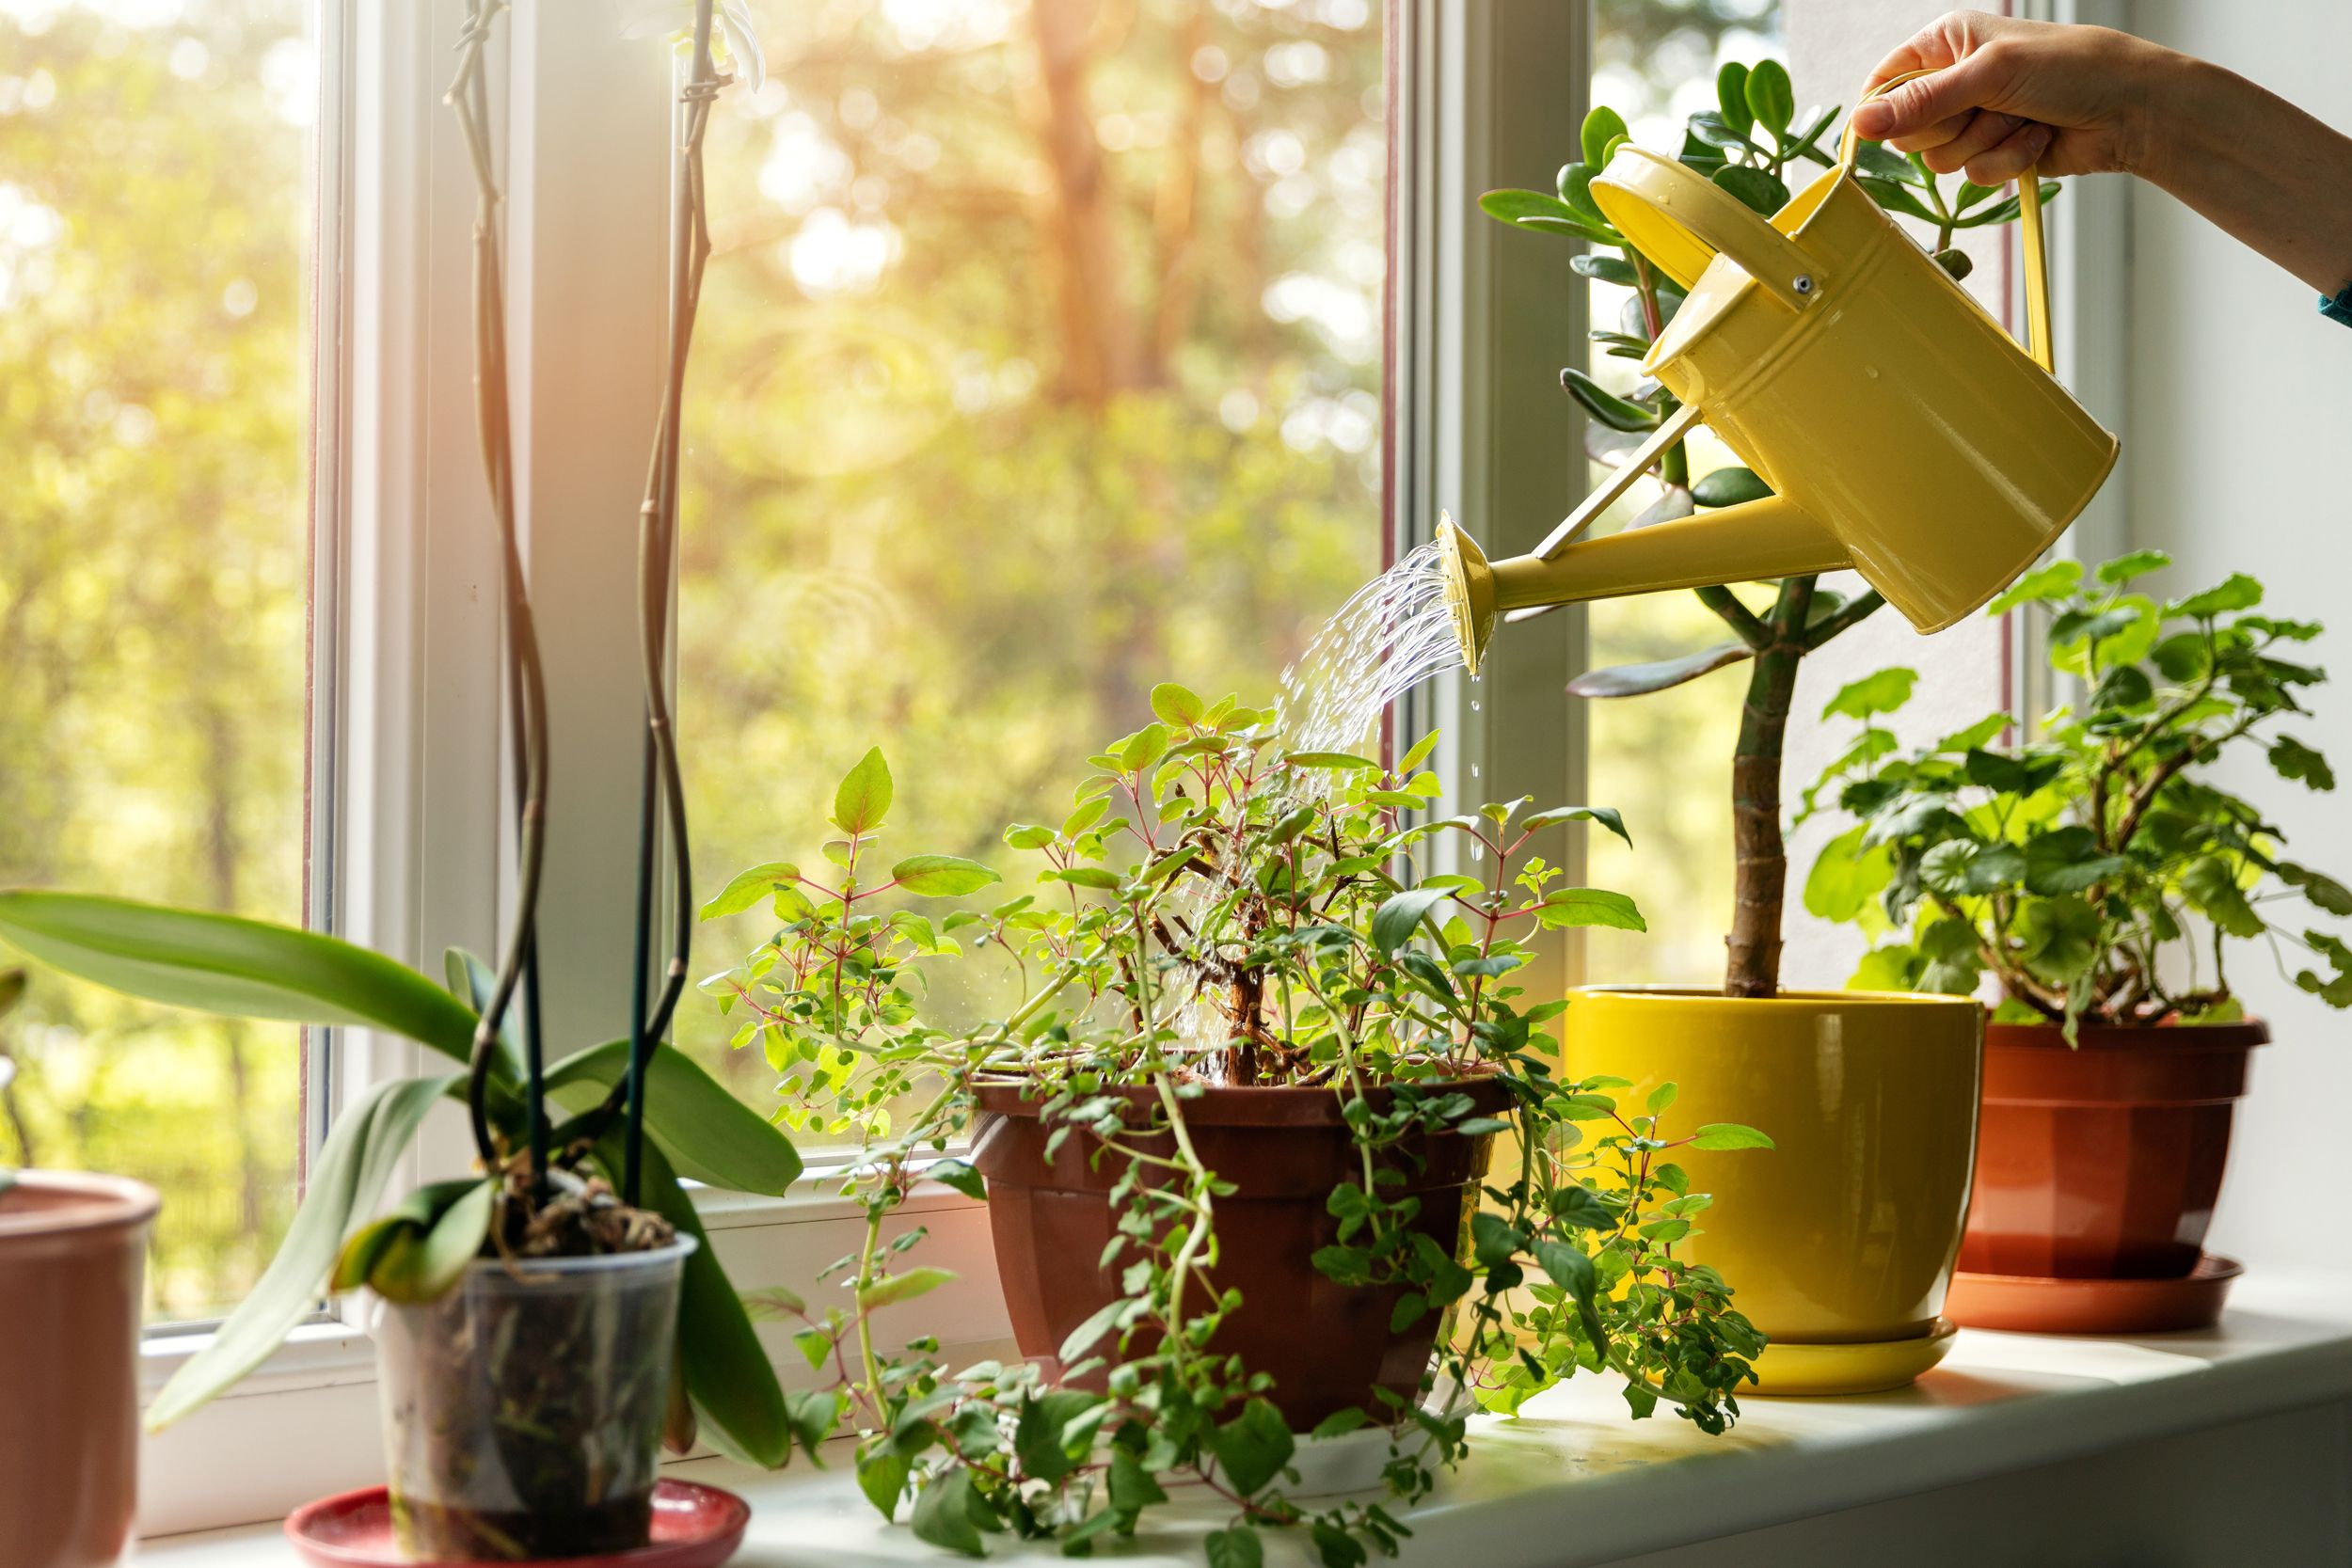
x: 72, y: 1248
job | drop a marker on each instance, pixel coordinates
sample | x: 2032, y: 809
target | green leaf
x: 235, y: 967
x: 1088, y: 876
x: 1730, y: 1135
x: 1890, y: 968
x: 2325, y: 893
x: 943, y: 1513
x: 2006, y: 212
x: 1663, y: 1096
x: 709, y: 1135
x: 2067, y: 859
x: 1605, y: 406
x: 1589, y: 906
x: 960, y: 1175
x: 1334, y: 1546
x: 1729, y: 487
x: 2042, y: 585
x: 1177, y: 707
x: 1337, y: 761
x: 1847, y: 877
x: 362, y: 1149
x: 1133, y: 1488
x: 728, y: 1376
x: 2292, y: 759
x: 2059, y: 939
x: 1771, y: 98
x: 1602, y: 126
x: 1395, y: 922
x: 881, y: 1475
x: 1761, y: 192
x: 1956, y: 263
x: 1252, y: 1448
x: 1639, y: 680
x: 863, y: 796
x: 1083, y: 1337
x: 1235, y: 1547
x: 1883, y: 692
x: 1608, y: 269
x: 1538, y: 209
x: 2239, y: 592
x: 812, y: 1413
x: 1607, y: 816
x: 1028, y: 835
x: 1896, y: 196
x: 901, y: 1287
x: 752, y: 887
x: 1144, y: 748
x: 2138, y: 564
x: 417, y: 1252
x: 941, y: 876
x: 2211, y: 885
x: 472, y: 981
x: 1731, y: 96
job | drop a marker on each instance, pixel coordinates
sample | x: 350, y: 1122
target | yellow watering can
x: 1903, y: 434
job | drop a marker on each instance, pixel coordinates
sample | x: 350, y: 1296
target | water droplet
x: 1476, y: 705
x: 1871, y: 371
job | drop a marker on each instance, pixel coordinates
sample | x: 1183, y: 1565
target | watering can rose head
x: 1886, y: 422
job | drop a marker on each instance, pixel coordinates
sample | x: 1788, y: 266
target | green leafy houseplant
x: 560, y: 1145
x: 1748, y: 144
x: 2075, y: 868
x: 1214, y: 913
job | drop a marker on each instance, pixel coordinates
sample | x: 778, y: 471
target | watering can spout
x: 1753, y: 540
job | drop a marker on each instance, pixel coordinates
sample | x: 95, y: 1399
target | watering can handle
x: 2029, y: 218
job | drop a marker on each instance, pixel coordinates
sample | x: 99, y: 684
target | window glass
x: 1040, y: 361
x: 154, y: 203
x: 1665, y: 758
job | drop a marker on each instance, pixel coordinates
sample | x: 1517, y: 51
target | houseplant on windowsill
x: 551, y: 1316
x: 1820, y: 1257
x: 1251, y: 1084
x: 2097, y: 876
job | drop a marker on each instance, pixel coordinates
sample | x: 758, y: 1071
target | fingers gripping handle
x: 2030, y: 230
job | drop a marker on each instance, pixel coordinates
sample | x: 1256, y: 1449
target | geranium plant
x: 1750, y: 144
x: 2091, y: 868
x: 1214, y: 912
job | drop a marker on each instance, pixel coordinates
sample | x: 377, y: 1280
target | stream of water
x: 1395, y: 633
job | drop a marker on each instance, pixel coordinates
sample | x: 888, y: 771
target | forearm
x: 2254, y: 165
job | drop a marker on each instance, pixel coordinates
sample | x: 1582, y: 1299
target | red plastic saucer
x: 693, y: 1526
x: 2032, y: 1305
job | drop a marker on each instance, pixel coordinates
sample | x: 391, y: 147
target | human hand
x: 2009, y: 94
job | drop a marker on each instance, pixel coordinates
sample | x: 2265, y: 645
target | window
x: 1040, y: 361
x: 154, y: 577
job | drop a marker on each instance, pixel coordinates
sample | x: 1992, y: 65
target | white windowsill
x: 1574, y: 1482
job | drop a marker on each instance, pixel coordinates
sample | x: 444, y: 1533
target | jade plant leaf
x: 230, y: 965
x: 709, y: 1135
x: 736, y: 1398
x: 1639, y: 680
x: 360, y: 1153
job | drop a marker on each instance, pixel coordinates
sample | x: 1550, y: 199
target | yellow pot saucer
x: 1790, y: 1371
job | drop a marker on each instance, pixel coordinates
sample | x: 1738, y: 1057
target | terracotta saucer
x: 2023, y: 1304
x: 693, y: 1526
x: 1812, y: 1372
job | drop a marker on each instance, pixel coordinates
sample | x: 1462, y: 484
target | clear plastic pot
x: 523, y: 1410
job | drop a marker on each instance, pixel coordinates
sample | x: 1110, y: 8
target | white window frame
x: 407, y: 741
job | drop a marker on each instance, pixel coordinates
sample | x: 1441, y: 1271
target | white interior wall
x: 2240, y: 406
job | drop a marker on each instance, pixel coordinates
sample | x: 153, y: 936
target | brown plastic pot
x: 1326, y: 1345
x: 72, y: 1248
x: 2103, y: 1161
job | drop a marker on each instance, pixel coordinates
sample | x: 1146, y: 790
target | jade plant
x: 2092, y: 868
x: 585, y: 1154
x: 1751, y: 144
x: 1218, y: 910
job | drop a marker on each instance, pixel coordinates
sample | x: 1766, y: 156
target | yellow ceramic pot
x: 1845, y: 1234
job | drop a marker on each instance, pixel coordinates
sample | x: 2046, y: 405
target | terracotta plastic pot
x: 72, y: 1254
x: 1328, y: 1346
x: 2103, y: 1161
x: 1846, y: 1232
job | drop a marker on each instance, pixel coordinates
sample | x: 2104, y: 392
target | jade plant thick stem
x: 1747, y: 145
